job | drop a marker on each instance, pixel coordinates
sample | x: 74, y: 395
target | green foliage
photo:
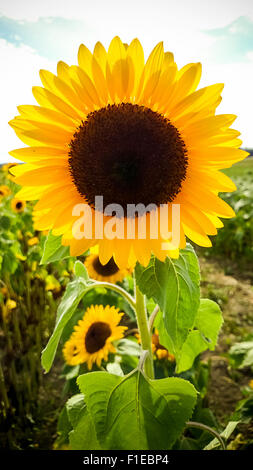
x: 114, y: 410
x: 203, y: 335
x: 54, y: 250
x: 225, y: 434
x: 241, y: 354
x: 81, y: 271
x: 174, y: 285
x: 153, y: 411
x: 73, y: 294
x: 235, y: 240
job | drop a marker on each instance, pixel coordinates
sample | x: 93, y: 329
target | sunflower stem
x: 115, y: 288
x: 142, y: 321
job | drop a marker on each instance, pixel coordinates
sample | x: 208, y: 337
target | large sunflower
x: 93, y: 336
x: 133, y: 132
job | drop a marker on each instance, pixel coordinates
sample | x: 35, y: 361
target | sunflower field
x: 126, y: 343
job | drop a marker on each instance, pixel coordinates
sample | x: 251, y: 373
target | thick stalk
x: 142, y: 321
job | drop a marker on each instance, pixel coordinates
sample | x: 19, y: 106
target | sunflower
x: 7, y: 307
x: 33, y: 241
x: 70, y: 352
x: 134, y: 132
x: 93, y: 336
x: 157, y: 349
x: 7, y: 166
x: 160, y: 351
x: 4, y: 191
x: 18, y: 205
x: 108, y: 272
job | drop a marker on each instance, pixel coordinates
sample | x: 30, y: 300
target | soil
x: 234, y: 294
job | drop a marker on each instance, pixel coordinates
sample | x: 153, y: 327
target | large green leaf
x: 54, y: 250
x: 72, y: 296
x: 204, y: 336
x: 134, y: 412
x: 83, y: 435
x: 174, y: 285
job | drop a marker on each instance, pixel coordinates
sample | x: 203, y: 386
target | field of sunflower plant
x: 119, y: 323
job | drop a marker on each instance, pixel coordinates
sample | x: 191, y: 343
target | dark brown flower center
x: 19, y: 205
x: 107, y: 269
x: 96, y: 336
x: 128, y: 154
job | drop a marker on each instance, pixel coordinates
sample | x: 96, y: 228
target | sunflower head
x: 160, y: 351
x: 108, y: 272
x: 33, y: 241
x: 4, y: 191
x: 18, y: 205
x: 93, y: 336
x: 136, y: 133
x: 70, y: 352
x: 8, y: 166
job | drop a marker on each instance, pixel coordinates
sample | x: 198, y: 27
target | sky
x: 36, y: 34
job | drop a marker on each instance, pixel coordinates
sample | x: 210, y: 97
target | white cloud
x: 106, y: 13
x: 179, y: 24
x: 237, y: 96
x: 18, y: 75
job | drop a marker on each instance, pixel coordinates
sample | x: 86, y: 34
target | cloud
x: 234, y: 42
x: 50, y: 37
x: 18, y: 75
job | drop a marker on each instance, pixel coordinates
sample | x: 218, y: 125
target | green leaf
x: 208, y: 321
x: 241, y: 348
x: 192, y: 347
x: 72, y: 296
x: 174, y: 285
x: 126, y: 346
x: 5, y: 222
x: 225, y: 434
x: 248, y: 359
x: 83, y: 437
x: 75, y: 406
x: 114, y: 368
x: 54, y: 250
x: 63, y: 427
x: 80, y: 270
x: 207, y: 325
x: 9, y: 263
x: 137, y: 413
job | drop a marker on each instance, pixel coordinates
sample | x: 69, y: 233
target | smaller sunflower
x: 33, y: 241
x: 93, y: 336
x: 70, y: 352
x: 7, y: 307
x: 160, y: 351
x: 18, y: 205
x: 108, y: 272
x: 7, y: 166
x: 4, y: 191
x: 157, y: 349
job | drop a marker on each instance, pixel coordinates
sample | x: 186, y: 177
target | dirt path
x: 235, y: 297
